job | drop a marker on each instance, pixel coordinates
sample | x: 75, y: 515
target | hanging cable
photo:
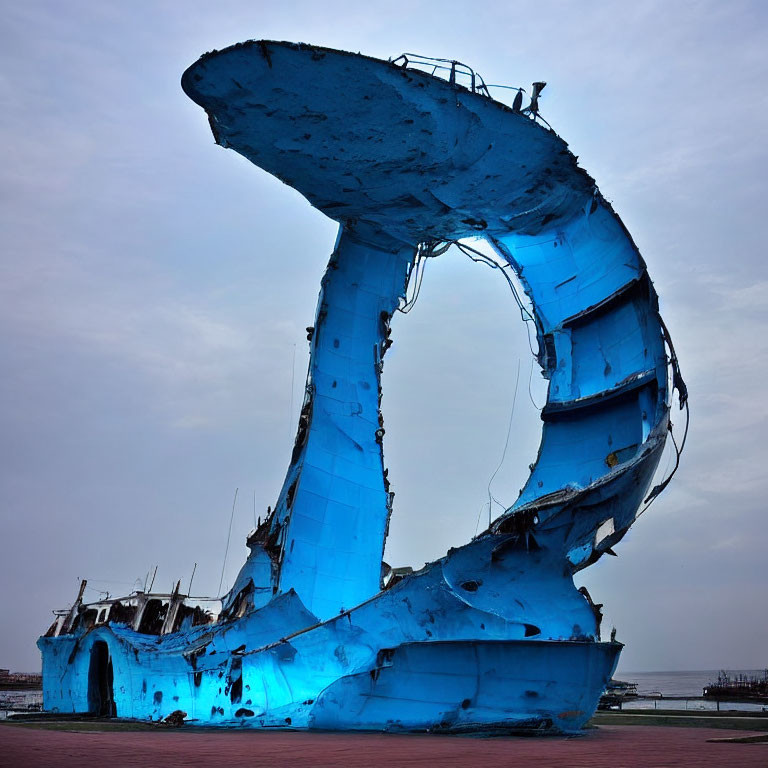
x: 658, y: 489
x: 424, y: 251
x: 491, y: 497
x: 479, y: 512
x: 229, y: 536
x: 437, y: 248
x: 682, y: 396
x: 418, y: 269
x: 530, y: 393
x: 479, y: 257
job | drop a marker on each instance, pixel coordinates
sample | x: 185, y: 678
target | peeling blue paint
x: 315, y: 633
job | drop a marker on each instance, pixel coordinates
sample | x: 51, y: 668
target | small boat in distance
x: 616, y: 691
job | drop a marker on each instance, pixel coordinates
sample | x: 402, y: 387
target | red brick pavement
x: 607, y: 747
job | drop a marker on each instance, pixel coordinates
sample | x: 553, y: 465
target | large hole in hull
x: 101, y: 698
x: 448, y: 386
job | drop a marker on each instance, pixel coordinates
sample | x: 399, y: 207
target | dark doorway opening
x: 101, y: 700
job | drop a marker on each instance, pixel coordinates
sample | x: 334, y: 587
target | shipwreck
x: 410, y: 156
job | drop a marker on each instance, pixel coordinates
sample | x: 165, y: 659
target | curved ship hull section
x: 448, y: 686
x: 472, y: 685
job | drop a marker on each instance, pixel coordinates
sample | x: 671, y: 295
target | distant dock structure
x: 739, y: 688
x: 20, y: 681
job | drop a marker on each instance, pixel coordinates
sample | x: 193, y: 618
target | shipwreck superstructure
x: 317, y: 632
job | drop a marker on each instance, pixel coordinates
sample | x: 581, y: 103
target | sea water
x: 663, y: 684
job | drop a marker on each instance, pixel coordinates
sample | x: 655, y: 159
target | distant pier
x: 20, y: 681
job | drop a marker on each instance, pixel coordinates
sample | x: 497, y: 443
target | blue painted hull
x: 447, y: 686
x: 494, y: 634
x: 473, y: 686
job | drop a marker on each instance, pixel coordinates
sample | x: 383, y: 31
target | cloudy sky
x: 154, y: 290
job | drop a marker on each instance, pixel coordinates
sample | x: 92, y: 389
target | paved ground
x: 606, y: 747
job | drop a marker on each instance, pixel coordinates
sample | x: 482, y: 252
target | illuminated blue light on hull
x: 315, y: 633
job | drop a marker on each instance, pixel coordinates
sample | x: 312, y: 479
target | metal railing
x: 459, y: 74
x: 456, y: 71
